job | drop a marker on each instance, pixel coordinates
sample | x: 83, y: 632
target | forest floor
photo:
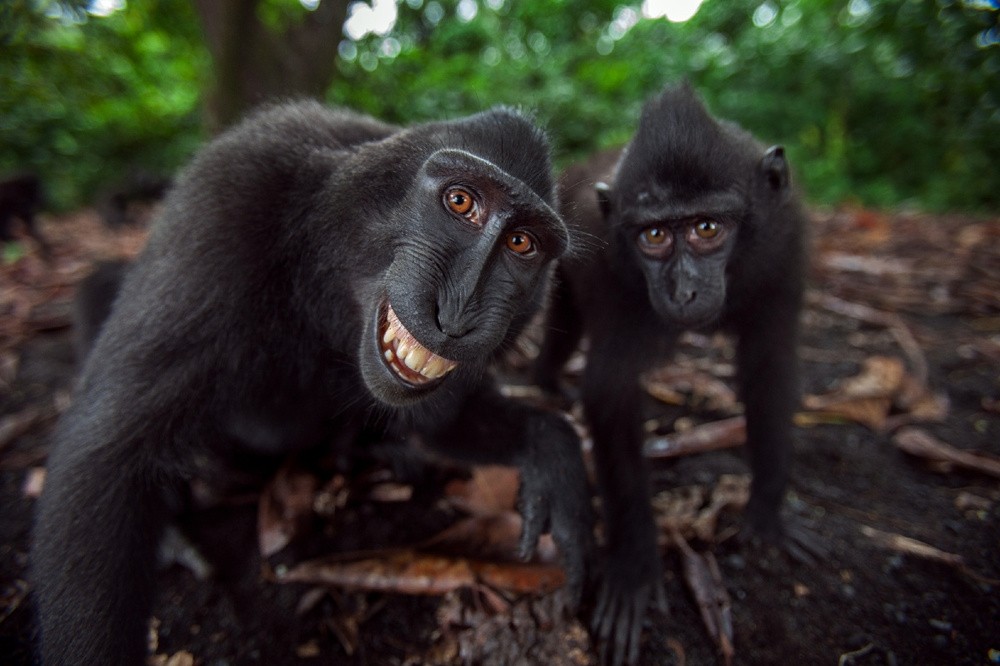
x: 897, y: 472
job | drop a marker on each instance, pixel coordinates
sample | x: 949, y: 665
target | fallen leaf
x: 676, y: 510
x: 666, y: 394
x: 493, y: 537
x: 389, y: 491
x: 924, y: 405
x: 731, y: 491
x: 491, y: 489
x: 520, y: 577
x: 404, y: 572
x: 693, y: 511
x: 182, y: 658
x: 412, y: 572
x: 33, y: 482
x: 672, y: 383
x: 530, y: 630
x: 332, y: 497
x: 284, y: 507
x: 871, y: 396
x: 712, y: 436
x: 872, y: 413
x: 308, y: 650
x: 880, y: 376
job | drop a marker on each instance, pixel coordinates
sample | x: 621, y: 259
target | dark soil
x: 864, y: 603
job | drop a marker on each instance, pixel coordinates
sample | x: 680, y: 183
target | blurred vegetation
x: 84, y: 101
x: 880, y: 102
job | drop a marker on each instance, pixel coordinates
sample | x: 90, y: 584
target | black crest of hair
x: 701, y: 231
x: 314, y: 273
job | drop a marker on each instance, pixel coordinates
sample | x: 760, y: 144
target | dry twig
x: 713, y: 436
x: 920, y: 443
x: 701, y: 573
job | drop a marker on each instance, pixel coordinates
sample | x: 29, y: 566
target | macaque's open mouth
x: 411, y: 361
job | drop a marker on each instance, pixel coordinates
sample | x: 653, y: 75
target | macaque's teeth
x: 430, y: 370
x: 402, y: 348
x: 416, y: 359
x: 437, y: 367
x: 394, y: 328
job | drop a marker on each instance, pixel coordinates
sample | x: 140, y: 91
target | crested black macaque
x: 313, y: 271
x: 21, y: 197
x: 702, y: 230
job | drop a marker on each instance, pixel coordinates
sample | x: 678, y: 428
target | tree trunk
x: 253, y: 64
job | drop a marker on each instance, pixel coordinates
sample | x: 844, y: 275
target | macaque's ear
x: 774, y: 168
x: 603, y: 191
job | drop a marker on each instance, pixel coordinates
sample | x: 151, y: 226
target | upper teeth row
x: 400, y: 343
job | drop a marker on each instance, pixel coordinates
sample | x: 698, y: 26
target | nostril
x: 454, y: 329
x: 448, y: 326
x: 684, y: 296
x: 437, y: 317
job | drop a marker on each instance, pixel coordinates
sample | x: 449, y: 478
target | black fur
x: 681, y: 168
x: 251, y: 325
x: 95, y: 296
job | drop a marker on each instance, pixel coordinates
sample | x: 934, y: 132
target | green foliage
x: 85, y: 101
x: 279, y: 15
x: 883, y: 102
x: 878, y: 101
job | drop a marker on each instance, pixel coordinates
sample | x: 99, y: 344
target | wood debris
x: 409, y: 571
x: 703, y: 578
x: 711, y: 436
x: 910, y: 546
x: 922, y: 444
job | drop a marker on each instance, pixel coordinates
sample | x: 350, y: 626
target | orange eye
x: 520, y: 243
x: 459, y: 201
x: 707, y: 229
x: 654, y: 236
